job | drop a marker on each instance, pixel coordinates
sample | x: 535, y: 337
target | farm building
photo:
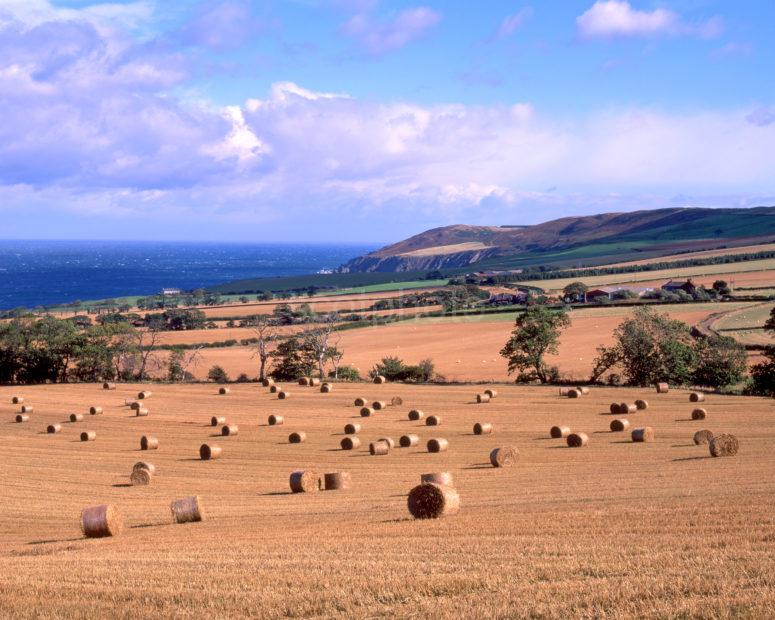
x: 170, y: 292
x: 679, y: 285
x: 615, y: 292
x: 507, y: 299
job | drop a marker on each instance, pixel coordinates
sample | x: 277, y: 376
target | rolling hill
x: 572, y: 240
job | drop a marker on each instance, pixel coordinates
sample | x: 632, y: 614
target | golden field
x: 615, y: 529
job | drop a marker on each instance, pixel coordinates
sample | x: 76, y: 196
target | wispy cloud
x: 618, y: 18
x: 221, y: 26
x: 378, y: 36
x: 512, y: 23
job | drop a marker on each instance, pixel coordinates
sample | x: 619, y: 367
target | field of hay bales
x: 613, y: 529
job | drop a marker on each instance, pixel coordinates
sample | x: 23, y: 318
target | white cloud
x: 378, y: 37
x: 512, y: 23
x: 617, y: 18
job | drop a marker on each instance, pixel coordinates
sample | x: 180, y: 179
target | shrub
x: 218, y: 374
x: 345, y: 373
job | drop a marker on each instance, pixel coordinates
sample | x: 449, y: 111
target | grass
x: 611, y: 530
x: 387, y: 287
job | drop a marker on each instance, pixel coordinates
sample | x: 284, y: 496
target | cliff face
x: 404, y: 262
x: 463, y: 245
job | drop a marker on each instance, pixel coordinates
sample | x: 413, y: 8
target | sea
x: 45, y: 273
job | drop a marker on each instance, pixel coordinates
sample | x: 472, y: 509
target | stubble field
x: 614, y: 529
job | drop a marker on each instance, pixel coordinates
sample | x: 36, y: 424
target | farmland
x: 616, y: 528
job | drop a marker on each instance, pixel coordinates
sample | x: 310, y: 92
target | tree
x: 218, y: 374
x: 292, y: 360
x: 265, y: 335
x: 575, y: 291
x: 317, y: 342
x: 762, y: 374
x: 537, y: 333
x: 721, y: 362
x: 650, y: 347
x: 179, y: 362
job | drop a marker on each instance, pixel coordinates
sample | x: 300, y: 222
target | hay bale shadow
x: 141, y: 526
x: 54, y: 540
x: 122, y: 485
x: 693, y: 458
x: 684, y: 445
x: 686, y: 420
x: 543, y: 438
x: 270, y: 493
x: 479, y: 466
x: 400, y: 520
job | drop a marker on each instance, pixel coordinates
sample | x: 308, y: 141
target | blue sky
x: 369, y: 120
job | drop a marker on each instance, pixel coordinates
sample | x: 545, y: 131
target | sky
x: 372, y: 120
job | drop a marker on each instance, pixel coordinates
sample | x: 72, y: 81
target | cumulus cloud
x: 379, y: 36
x: 618, y: 18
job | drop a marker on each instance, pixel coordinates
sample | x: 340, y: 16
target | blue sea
x: 41, y: 273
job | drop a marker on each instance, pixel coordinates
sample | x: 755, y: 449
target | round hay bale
x: 564, y: 391
x: 273, y: 389
x: 699, y: 414
x: 433, y: 420
x: 140, y: 477
x: 491, y: 393
x: 229, y: 430
x: 314, y: 382
x: 437, y: 445
x: 210, y: 453
x: 396, y: 401
x: 135, y: 405
x: 282, y: 395
x: 431, y: 501
x: 360, y: 402
x: 577, y: 440
x: 614, y: 408
x: 53, y: 428
x: 482, y: 398
x: 504, y: 457
x: 619, y: 425
x: 482, y: 428
x: 144, y: 394
x: 275, y: 420
x: 144, y: 465
x: 297, y: 437
x: 17, y: 400
x: 141, y: 412
x: 305, y: 482
x: 304, y: 381
x: 696, y: 397
x: 148, y: 442
x: 378, y: 405
x: 350, y: 443
x: 352, y: 429
x: 326, y: 388
x: 723, y: 445
x: 101, y: 521
x: 223, y: 391
x: 88, y: 435
x: 27, y: 409
x: 416, y: 414
x: 573, y: 393
x: 267, y: 382
x: 366, y: 412
x: 108, y: 386
x: 379, y: 448
x: 389, y: 441
x: 663, y: 388
x: 408, y: 441
x: 441, y: 477
x: 76, y: 417
x: 337, y: 481
x: 583, y: 390
x: 379, y: 379
x: 217, y: 419
x: 703, y: 436
x: 129, y: 402
x: 188, y: 510
x: 641, y: 405
x: 22, y: 417
x: 625, y: 408
x: 558, y: 432
x: 643, y: 434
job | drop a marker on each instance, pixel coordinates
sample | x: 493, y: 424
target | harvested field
x: 739, y: 249
x: 475, y: 341
x: 615, y: 529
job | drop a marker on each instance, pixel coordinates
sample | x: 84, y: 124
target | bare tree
x: 265, y: 334
x: 318, y: 341
x: 146, y: 342
x: 335, y: 354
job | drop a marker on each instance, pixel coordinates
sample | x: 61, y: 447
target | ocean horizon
x: 45, y: 272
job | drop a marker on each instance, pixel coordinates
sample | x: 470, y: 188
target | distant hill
x: 593, y: 239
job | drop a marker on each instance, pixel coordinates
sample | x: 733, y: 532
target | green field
x: 384, y: 288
